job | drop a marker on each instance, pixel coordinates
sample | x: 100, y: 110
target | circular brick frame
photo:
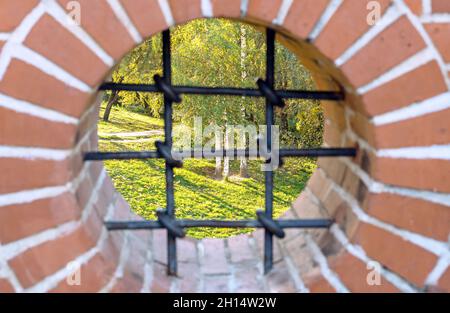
x: 391, y: 203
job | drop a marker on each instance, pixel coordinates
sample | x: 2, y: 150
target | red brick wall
x: 391, y: 203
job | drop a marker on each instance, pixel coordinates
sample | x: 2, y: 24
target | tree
x: 243, y: 170
x: 139, y: 67
x: 112, y: 99
x: 218, y: 52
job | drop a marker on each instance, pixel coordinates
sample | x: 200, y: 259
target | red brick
x: 185, y: 10
x: 216, y: 284
x: 415, y: 6
x: 84, y: 191
x: 139, y: 10
x: 106, y: 196
x: 419, y: 216
x: 90, y: 70
x: 396, y: 44
x: 95, y: 273
x: 22, y: 220
x: 94, y: 276
x: 319, y: 185
x: 300, y: 255
x: 440, y: 33
x: 95, y: 169
x: 361, y: 125
x: 401, y: 256
x: 13, y: 12
x: 129, y: 283
x: 417, y: 85
x: 444, y: 281
x: 263, y: 10
x: 332, y: 135
x: 305, y: 207
x: 258, y: 235
x: 246, y: 280
x: 291, y: 234
x: 353, y: 274
x: 214, y: 260
x: 334, y: 170
x: 332, y: 202
x: 189, y: 274
x: 303, y: 15
x: 161, y: 282
x: 429, y: 129
x: 240, y: 249
x: 352, y: 184
x: 123, y: 210
x: 41, y: 89
x: 45, y: 259
x: 23, y: 174
x: 279, y: 280
x: 347, y: 25
x: 5, y: 286
x: 187, y: 251
x: 335, y: 114
x: 419, y: 174
x: 99, y: 20
x: 103, y: 202
x: 228, y: 8
x: 18, y: 129
x: 440, y: 6
x: 346, y: 219
x: 159, y: 246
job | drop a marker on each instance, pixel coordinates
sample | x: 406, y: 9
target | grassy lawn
x: 197, y: 194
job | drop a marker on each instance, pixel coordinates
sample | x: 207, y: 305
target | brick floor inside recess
x: 222, y: 265
x: 233, y: 264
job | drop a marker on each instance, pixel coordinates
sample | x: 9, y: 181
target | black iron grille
x: 264, y: 219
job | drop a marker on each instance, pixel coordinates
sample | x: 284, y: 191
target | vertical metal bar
x: 270, y: 79
x: 170, y: 198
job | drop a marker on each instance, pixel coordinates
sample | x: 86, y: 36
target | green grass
x: 197, y: 194
x: 122, y: 120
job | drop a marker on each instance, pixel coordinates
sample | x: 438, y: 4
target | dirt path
x: 148, y: 133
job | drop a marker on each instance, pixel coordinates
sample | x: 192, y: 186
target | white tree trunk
x: 243, y: 171
x: 226, y: 160
x: 218, y: 170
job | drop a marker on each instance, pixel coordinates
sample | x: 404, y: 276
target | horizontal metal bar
x: 228, y: 91
x: 316, y: 152
x: 139, y: 225
x: 126, y: 155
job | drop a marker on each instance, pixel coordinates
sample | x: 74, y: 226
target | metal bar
x: 268, y: 174
x: 170, y: 198
x: 166, y: 219
x: 99, y: 156
x: 228, y: 91
x: 170, y: 224
x: 131, y: 155
x: 184, y: 223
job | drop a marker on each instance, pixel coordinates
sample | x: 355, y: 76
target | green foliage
x: 139, y: 66
x: 218, y: 52
x: 310, y: 126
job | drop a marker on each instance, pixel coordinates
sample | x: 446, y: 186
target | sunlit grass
x: 197, y: 194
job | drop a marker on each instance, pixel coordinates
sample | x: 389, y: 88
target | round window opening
x: 221, y: 54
